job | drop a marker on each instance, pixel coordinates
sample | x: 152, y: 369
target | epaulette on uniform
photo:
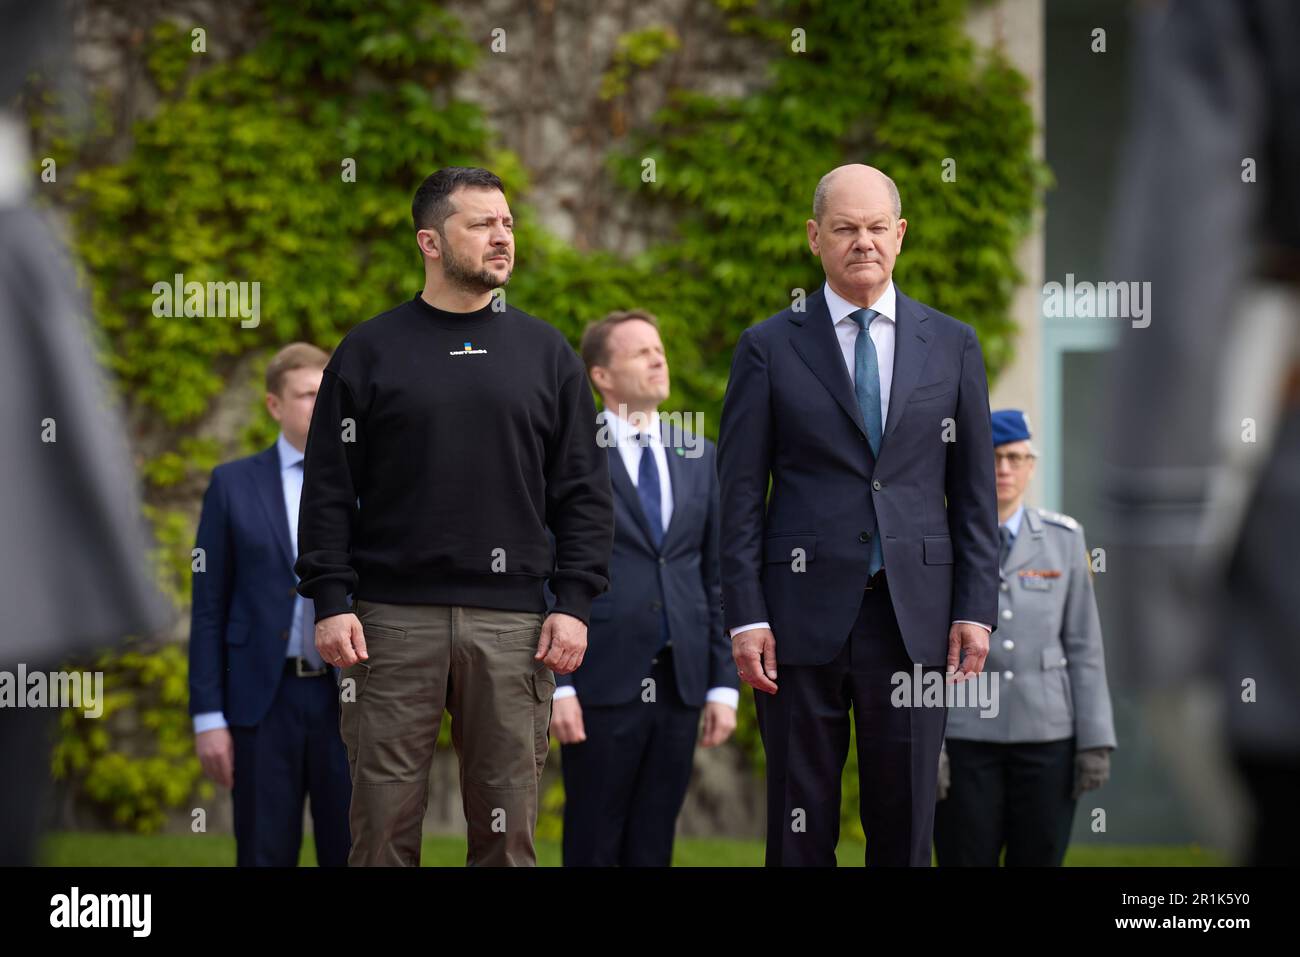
x: 1056, y: 518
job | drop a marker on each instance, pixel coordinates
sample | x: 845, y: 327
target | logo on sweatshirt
x: 468, y: 350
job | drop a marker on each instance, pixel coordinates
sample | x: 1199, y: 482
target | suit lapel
x: 677, y: 478
x: 270, y: 490
x: 622, y: 483
x: 817, y: 345
x: 911, y: 346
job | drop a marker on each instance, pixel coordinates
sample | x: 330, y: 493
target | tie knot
x: 863, y: 317
x: 643, y: 439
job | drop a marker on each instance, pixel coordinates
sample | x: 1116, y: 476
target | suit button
x: 875, y: 483
x: 663, y: 562
x: 293, y: 591
x: 1062, y: 662
x: 1005, y: 587
x: 1008, y: 644
x: 1009, y: 675
x: 656, y: 605
x: 1006, y: 614
x: 285, y: 634
x: 864, y: 536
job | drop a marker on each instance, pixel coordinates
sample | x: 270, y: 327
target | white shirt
x: 883, y: 331
x: 291, y: 486
x: 626, y: 437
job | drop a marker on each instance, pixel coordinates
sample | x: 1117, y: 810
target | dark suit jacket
x: 624, y: 631
x: 790, y: 411
x: 243, y: 602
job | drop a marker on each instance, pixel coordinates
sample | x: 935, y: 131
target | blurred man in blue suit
x: 627, y: 719
x: 878, y: 549
x: 265, y: 707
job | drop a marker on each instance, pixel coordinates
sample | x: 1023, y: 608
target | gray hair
x: 824, y: 188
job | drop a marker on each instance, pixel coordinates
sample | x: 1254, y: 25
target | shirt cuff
x: 757, y: 624
x: 963, y: 621
x: 727, y: 696
x: 564, y: 691
x: 209, y: 721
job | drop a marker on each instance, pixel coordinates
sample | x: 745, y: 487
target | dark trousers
x: 1017, y: 795
x: 294, y: 753
x: 805, y: 730
x: 625, y: 785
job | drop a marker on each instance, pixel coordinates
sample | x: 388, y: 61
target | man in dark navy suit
x: 627, y: 719
x: 878, y: 549
x: 265, y: 707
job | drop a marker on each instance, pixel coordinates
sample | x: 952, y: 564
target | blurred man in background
x: 265, y: 706
x: 627, y: 720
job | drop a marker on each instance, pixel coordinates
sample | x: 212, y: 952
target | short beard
x: 460, y: 273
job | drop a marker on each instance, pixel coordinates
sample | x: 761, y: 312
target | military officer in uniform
x: 1012, y: 779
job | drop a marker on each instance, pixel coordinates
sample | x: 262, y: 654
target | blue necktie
x: 647, y: 489
x: 866, y: 386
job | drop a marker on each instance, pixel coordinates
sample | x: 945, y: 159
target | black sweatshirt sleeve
x: 579, y: 503
x: 327, y: 513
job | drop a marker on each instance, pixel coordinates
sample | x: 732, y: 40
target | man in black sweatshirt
x: 449, y: 434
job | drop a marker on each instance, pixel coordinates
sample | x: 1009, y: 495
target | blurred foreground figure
x: 1203, y: 452
x: 74, y: 570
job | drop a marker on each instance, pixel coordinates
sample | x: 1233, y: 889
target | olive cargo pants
x: 478, y: 664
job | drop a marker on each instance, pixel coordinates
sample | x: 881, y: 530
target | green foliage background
x: 237, y: 176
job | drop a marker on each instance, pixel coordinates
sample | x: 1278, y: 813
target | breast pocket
x: 934, y: 390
